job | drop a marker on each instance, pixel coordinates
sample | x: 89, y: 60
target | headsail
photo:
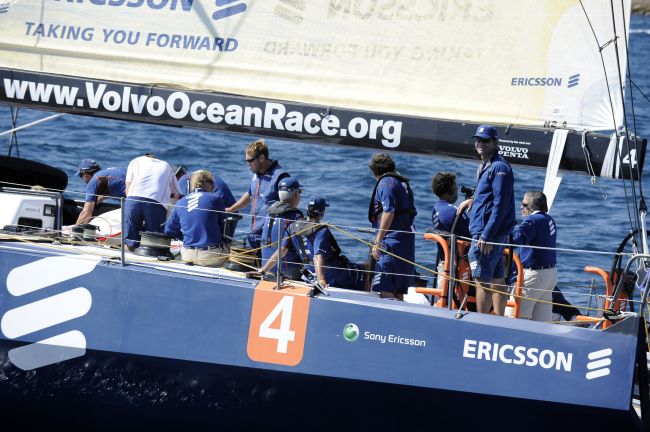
x: 367, y: 73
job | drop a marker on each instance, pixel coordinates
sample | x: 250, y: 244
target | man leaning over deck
x: 491, y: 219
x: 100, y: 184
x: 263, y: 190
x: 150, y: 185
x: 540, y: 272
x: 198, y: 219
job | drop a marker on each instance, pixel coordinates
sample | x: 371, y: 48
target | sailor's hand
x: 376, y: 252
x: 465, y: 205
x: 483, y: 246
x: 261, y: 271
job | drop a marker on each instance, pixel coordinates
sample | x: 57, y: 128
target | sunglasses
x: 525, y: 205
x: 252, y: 159
x: 482, y: 140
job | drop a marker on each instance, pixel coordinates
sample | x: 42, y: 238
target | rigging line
x: 34, y: 123
x: 14, y: 137
x: 629, y: 76
x: 611, y: 102
x: 627, y: 131
x: 590, y: 167
x: 640, y: 91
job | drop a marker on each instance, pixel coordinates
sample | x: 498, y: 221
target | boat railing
x: 455, y: 280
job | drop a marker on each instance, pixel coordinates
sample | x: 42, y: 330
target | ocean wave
x: 640, y: 31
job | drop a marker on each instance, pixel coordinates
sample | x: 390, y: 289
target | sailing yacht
x: 90, y: 333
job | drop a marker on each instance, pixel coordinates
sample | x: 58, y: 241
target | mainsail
x: 412, y: 76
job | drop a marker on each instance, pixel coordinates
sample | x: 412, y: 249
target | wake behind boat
x: 128, y: 339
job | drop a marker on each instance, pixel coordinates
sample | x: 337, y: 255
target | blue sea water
x: 585, y: 220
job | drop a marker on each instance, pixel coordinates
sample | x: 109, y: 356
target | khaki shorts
x: 213, y: 257
x: 538, y: 285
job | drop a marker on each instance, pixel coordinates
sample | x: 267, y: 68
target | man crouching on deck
x: 491, y: 219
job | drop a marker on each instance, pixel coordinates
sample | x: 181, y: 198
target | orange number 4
x: 278, y: 325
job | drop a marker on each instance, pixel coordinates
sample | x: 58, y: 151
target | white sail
x: 523, y: 62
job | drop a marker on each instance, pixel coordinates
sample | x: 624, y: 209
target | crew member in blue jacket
x: 198, y: 218
x: 100, y: 184
x: 279, y: 217
x: 540, y: 272
x: 443, y: 185
x: 444, y: 211
x: 392, y: 212
x: 491, y: 219
x: 263, y: 189
x: 330, y: 266
x: 220, y: 186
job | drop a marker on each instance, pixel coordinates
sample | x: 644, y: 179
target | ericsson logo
x: 574, y: 80
x: 47, y: 312
x: 225, y: 12
x: 548, y: 81
x: 598, y: 362
x: 225, y: 8
x: 351, y: 332
x: 193, y: 201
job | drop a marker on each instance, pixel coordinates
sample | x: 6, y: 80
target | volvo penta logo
x: 598, y: 362
x: 351, y: 332
x: 47, y: 312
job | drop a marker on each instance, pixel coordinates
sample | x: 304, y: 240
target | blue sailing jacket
x: 282, y: 214
x: 263, y: 190
x: 109, y: 181
x: 492, y: 215
x: 537, y: 229
x: 220, y: 187
x: 442, y: 218
x: 197, y: 219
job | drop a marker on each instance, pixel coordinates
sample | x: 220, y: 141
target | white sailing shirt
x: 151, y: 178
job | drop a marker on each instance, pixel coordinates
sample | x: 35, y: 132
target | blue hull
x: 108, y: 391
x: 86, y: 340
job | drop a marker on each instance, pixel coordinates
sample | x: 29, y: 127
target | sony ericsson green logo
x: 351, y: 332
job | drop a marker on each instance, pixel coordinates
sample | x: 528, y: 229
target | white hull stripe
x: 47, y: 272
x: 56, y: 349
x: 46, y: 313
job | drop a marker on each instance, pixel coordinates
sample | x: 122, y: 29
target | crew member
x: 100, y: 184
x: 540, y: 272
x: 279, y: 217
x: 391, y: 213
x: 444, y: 211
x: 330, y: 266
x: 150, y: 185
x: 263, y: 190
x: 491, y: 219
x: 197, y: 219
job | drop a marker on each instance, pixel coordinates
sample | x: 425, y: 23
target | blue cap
x: 317, y: 205
x: 87, y: 165
x: 486, y: 132
x: 289, y: 184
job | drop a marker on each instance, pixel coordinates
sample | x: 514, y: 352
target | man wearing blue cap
x: 279, y: 217
x: 330, y: 266
x: 491, y: 220
x: 100, y: 184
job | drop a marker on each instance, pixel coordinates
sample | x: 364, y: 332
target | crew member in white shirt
x: 150, y: 185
